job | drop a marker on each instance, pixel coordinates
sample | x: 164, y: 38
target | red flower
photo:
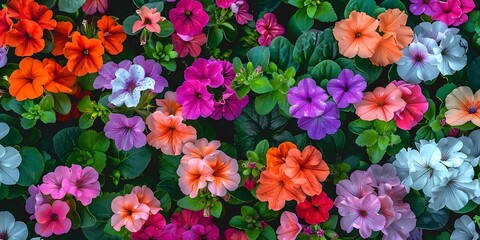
x: 315, y: 212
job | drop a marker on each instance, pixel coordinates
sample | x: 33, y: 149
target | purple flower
x: 228, y: 73
x: 128, y: 85
x: 52, y: 182
x: 83, y: 184
x: 327, y: 123
x: 209, y: 73
x: 348, y: 88
x: 3, y: 56
x: 229, y: 107
x: 126, y: 132
x: 152, y: 70
x: 35, y: 200
x: 307, y: 99
x: 423, y: 6
x: 195, y: 99
x: 107, y: 74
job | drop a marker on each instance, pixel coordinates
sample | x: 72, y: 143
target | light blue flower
x: 11, y: 229
x: 451, y: 154
x: 417, y: 64
x: 436, y: 30
x: 464, y: 229
x: 128, y: 85
x: 451, y: 54
x: 472, y: 150
x: 10, y: 159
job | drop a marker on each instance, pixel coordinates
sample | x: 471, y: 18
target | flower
x: 193, y: 176
x: 16, y: 8
x: 234, y: 234
x: 128, y: 84
x: 40, y: 14
x: 436, y: 30
x: 357, y: 35
x: 208, y: 73
x: 224, y: 174
x: 466, y: 6
x: 152, y: 229
x: 107, y: 74
x: 464, y: 229
x: 52, y: 219
x: 451, y: 155
x: 453, y: 12
x: 426, y: 170
x: 82, y: 183
x: 128, y: 212
x: 289, y: 227
x: 27, y: 82
x: 362, y: 214
x: 169, y: 105
x: 84, y: 55
x: 315, y: 212
x: 111, y: 34
x: 27, y: 38
x: 451, y: 54
x: 153, y: 70
x: 386, y: 51
x: 145, y: 195
x: 126, y: 132
x: 225, y: 4
x: 189, y: 224
x: 168, y: 133
x: 269, y: 28
x: 11, y: 229
x: 393, y: 22
x: 62, y: 80
x: 10, y: 159
x: 327, y: 123
x: 348, y: 88
x: 61, y: 35
x: 5, y: 25
x: 462, y: 107
x: 471, y: 150
x: 415, y: 108
x: 35, y: 200
x: 188, y: 17
x: 195, y: 99
x: 240, y: 8
x: 52, y: 182
x: 421, y: 6
x: 200, y: 149
x: 229, y: 107
x: 188, y: 44
x: 357, y: 186
x: 149, y: 19
x: 417, y: 64
x: 307, y: 99
x: 92, y: 6
x: 276, y: 157
x: 380, y: 104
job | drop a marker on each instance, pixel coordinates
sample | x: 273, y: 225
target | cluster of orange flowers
x: 291, y: 174
x: 358, y: 35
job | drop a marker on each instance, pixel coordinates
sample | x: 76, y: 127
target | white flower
x: 451, y: 154
x: 402, y: 166
x: 456, y: 189
x: 464, y: 229
x: 10, y: 159
x: 451, y: 54
x: 435, y: 31
x: 472, y: 150
x: 11, y: 230
x: 128, y: 85
x: 417, y: 64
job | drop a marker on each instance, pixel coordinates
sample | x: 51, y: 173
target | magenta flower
x: 418, y: 7
x: 207, y: 72
x: 92, y: 6
x: 348, y: 88
x: 152, y: 229
x: 327, y: 123
x: 269, y: 29
x: 189, y: 224
x: 466, y: 6
x: 149, y: 19
x: 362, y: 214
x: 52, y: 219
x: 224, y: 3
x: 126, y: 132
x: 83, y: 184
x: 240, y: 8
x: 188, y: 45
x: 188, y: 17
x: 448, y: 12
x: 52, y: 182
x: 307, y: 99
x: 195, y: 99
x: 229, y: 107
x: 228, y: 72
x: 417, y: 105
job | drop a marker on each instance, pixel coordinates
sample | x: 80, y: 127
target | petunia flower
x: 61, y: 80
x: 225, y: 4
x: 465, y: 228
x: 52, y: 219
x: 224, y: 174
x: 208, y: 73
x: 347, y: 88
x: 241, y: 10
x: 83, y: 184
x: 419, y: 7
x: 111, y: 34
x: 27, y: 82
x: 200, y: 149
x: 462, y: 106
x: 470, y: 149
x: 90, y: 7
x: 307, y: 99
x: 467, y: 6
x: 393, y: 22
x: 10, y: 159
x: 145, y: 195
x: 316, y: 211
x: 451, y: 54
x: 153, y: 70
x: 188, y: 17
x: 380, y: 104
x: 128, y: 212
x: 417, y: 64
x: 229, y: 107
x: 40, y: 14
x: 84, y: 55
x: 327, y: 123
x: 16, y: 8
x: 152, y: 229
x: 35, y: 200
x: 5, y: 25
x: 126, y: 132
x: 436, y: 30
x: 415, y: 108
x: 451, y: 154
x: 169, y: 105
x: 188, y: 224
x: 107, y: 74
x: 26, y: 37
x: 188, y: 44
x: 128, y: 85
x: 386, y: 52
x: 61, y: 35
x: 235, y: 234
x: 447, y: 11
x: 193, y: 176
x: 276, y: 157
x: 11, y: 229
x: 269, y: 28
x: 52, y: 182
x: 149, y: 19
x: 357, y: 186
x: 195, y: 99
x: 289, y: 227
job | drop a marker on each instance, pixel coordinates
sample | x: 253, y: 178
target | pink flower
x: 289, y: 227
x: 152, y: 229
x: 145, y: 196
x: 417, y: 105
x: 234, y: 234
x: 52, y: 219
x: 193, y: 176
x: 448, y: 11
x: 193, y: 225
x: 229, y: 107
x: 129, y: 212
x: 357, y: 186
x: 188, y: 45
x: 224, y: 3
x: 91, y: 6
x: 269, y: 29
x: 195, y: 99
x: 228, y: 72
x: 188, y: 17
x: 240, y: 8
x: 200, y: 149
x: 83, y: 184
x: 149, y: 18
x: 466, y: 6
x: 35, y: 200
x: 209, y: 73
x: 52, y: 182
x: 224, y: 175
x: 380, y: 104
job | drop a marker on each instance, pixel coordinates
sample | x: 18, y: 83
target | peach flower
x: 169, y: 105
x: 380, y: 104
x: 276, y: 157
x: 129, y: 212
x: 393, y: 22
x: 200, y: 149
x: 193, y: 176
x: 463, y: 106
x: 145, y: 195
x: 224, y: 176
x: 289, y: 227
x: 386, y: 52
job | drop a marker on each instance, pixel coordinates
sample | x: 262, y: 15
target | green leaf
x: 238, y: 222
x: 267, y: 233
x: 3, y: 191
x: 27, y: 123
x: 165, y: 200
x: 472, y: 74
x: 265, y: 103
x: 166, y: 28
x: 99, y: 161
x: 375, y: 153
x: 48, y: 117
x: 252, y: 234
x: 214, y: 37
x: 296, y: 3
x: 134, y: 162
x: 470, y: 206
x: 65, y: 141
x: 366, y: 6
x: 128, y: 24
x: 311, y: 9
x: 47, y: 102
x: 427, y: 133
x: 86, y: 121
x: 383, y: 142
x: 194, y: 204
x: 301, y: 20
x: 70, y: 6
x: 48, y: 3
x: 281, y: 53
x: 101, y: 206
x: 358, y: 126
x: 367, y: 138
x: 325, y: 13
x: 31, y: 168
x: 97, y: 232
x: 261, y: 85
x: 93, y: 141
x: 444, y: 90
x: 265, y: 213
x: 326, y: 69
x: 391, y: 4
x: 431, y: 111
x: 13, y: 137
x: 88, y: 220
x: 171, y: 186
x: 155, y: 4
x: 62, y: 105
x: 384, y: 127
x: 167, y: 167
x: 85, y: 104
x: 369, y: 71
x: 216, y: 209
x: 259, y: 56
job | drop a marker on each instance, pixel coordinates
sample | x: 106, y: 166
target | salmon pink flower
x: 52, y: 219
x: 188, y: 44
x: 380, y: 104
x: 61, y: 35
x: 386, y: 51
x: 27, y: 82
x: 27, y: 38
x: 193, y: 176
x: 276, y: 157
x: 169, y: 105
x: 111, y: 34
x: 269, y: 28
x: 195, y: 99
x: 149, y: 19
x: 316, y: 211
x: 289, y: 227
x: 393, y: 22
x: 145, y: 195
x: 82, y: 184
x: 5, y: 25
x: 416, y: 105
x: 52, y: 182
x: 200, y: 149
x: 462, y: 106
x: 126, y: 132
x: 84, y: 55
x: 128, y: 212
x: 188, y: 17
x: 224, y: 176
x: 90, y: 7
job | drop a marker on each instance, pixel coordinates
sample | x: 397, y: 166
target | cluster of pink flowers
x: 47, y: 201
x: 238, y: 7
x: 206, y: 91
x: 451, y: 12
x: 269, y: 28
x: 372, y: 200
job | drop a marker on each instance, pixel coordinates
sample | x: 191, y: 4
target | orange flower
x: 462, y: 106
x: 169, y: 134
x: 193, y: 176
x: 386, y: 52
x: 17, y: 8
x: 169, y: 105
x: 41, y: 15
x: 380, y: 104
x: 27, y: 82
x: 84, y: 55
x: 357, y: 35
x: 307, y: 168
x: 61, y: 35
x: 276, y: 157
x: 62, y: 80
x: 27, y: 38
x: 276, y: 188
x: 128, y: 212
x: 393, y: 23
x: 111, y: 34
x: 5, y: 26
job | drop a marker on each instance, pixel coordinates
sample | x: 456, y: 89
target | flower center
x: 131, y: 86
x: 426, y: 1
x: 85, y: 52
x: 54, y: 217
x: 3, y: 235
x: 309, y: 100
x: 363, y: 213
x: 419, y: 58
x: 472, y: 110
x: 380, y: 104
x: 358, y: 34
x: 148, y: 21
x: 188, y: 13
x: 345, y: 89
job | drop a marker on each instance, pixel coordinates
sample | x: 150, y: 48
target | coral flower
x: 386, y: 52
x: 269, y: 28
x: 62, y: 80
x: 276, y: 157
x: 168, y: 133
x: 129, y: 212
x: 380, y: 104
x: 188, y: 17
x: 27, y: 82
x: 41, y: 15
x: 276, y: 188
x: 463, y: 106
x: 289, y: 227
x: 149, y: 19
x: 84, y: 55
x: 16, y: 8
x: 145, y: 195
x: 111, y: 34
x: 357, y: 35
x: 52, y: 219
x: 224, y: 176
x: 82, y: 183
x: 92, y: 6
x: 61, y: 35
x: 27, y: 38
x: 316, y: 211
x: 200, y: 149
x: 188, y: 44
x: 169, y: 105
x: 393, y: 23
x: 416, y: 106
x: 193, y: 176
x: 5, y: 25
x: 307, y: 169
